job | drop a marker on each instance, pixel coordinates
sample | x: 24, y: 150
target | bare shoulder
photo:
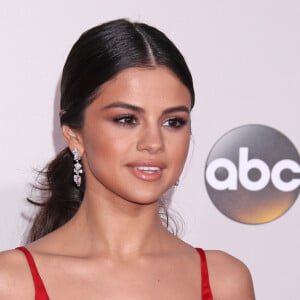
x: 229, y: 277
x: 15, y: 276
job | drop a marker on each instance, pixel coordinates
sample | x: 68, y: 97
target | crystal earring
x: 77, y: 167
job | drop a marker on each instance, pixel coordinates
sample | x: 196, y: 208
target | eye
x: 126, y: 120
x: 175, y: 123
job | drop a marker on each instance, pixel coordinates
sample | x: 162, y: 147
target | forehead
x: 145, y: 86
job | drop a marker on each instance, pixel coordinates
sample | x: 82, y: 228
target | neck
x: 118, y: 227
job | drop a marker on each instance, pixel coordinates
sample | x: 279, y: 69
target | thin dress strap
x: 206, y: 291
x: 40, y: 290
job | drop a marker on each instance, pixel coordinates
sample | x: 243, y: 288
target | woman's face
x: 136, y: 134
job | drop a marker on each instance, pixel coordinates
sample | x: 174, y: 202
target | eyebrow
x: 181, y: 108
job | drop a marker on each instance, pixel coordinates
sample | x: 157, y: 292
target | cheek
x: 106, y: 148
x: 178, y: 148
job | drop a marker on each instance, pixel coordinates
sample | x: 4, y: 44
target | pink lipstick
x: 147, y: 170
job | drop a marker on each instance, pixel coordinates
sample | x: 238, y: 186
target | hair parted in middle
x: 98, y: 55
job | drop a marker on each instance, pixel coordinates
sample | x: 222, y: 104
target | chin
x: 144, y: 198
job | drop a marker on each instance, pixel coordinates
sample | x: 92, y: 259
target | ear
x: 73, y: 139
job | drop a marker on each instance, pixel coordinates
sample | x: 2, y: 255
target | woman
x: 126, y: 97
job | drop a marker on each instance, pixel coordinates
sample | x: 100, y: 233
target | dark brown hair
x: 98, y: 55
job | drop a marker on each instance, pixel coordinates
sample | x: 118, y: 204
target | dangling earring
x: 176, y: 183
x: 77, y: 167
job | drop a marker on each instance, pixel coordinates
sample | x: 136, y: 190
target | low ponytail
x: 63, y: 198
x: 98, y: 56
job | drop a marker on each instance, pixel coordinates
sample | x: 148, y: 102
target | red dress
x: 41, y: 293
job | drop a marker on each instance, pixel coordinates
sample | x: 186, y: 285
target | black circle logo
x: 252, y: 174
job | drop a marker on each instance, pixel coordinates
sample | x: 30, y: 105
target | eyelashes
x: 126, y: 120
x: 129, y: 120
x: 175, y: 122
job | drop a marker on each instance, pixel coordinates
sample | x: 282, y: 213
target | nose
x: 151, y: 139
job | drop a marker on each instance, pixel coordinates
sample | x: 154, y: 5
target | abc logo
x: 253, y: 174
x: 245, y: 166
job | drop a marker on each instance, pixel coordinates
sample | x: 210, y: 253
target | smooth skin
x: 115, y: 247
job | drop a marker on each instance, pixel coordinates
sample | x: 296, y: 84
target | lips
x: 147, y: 170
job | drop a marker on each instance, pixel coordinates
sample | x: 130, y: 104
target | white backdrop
x: 244, y: 56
